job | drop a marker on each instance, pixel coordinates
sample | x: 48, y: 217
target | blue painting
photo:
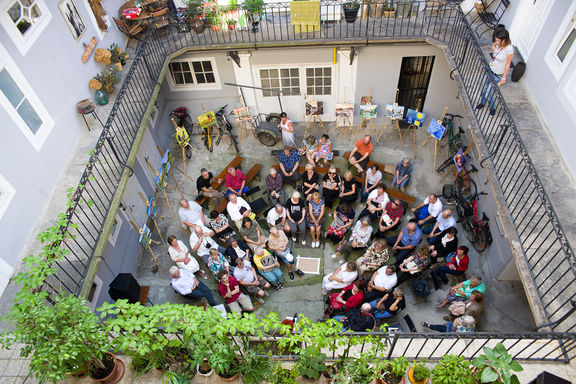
x: 460, y: 160
x: 151, y: 208
x: 436, y: 129
x: 415, y: 118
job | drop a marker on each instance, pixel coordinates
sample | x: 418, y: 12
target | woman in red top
x: 351, y: 297
x: 456, y: 266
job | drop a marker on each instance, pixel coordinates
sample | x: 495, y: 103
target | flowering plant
x: 103, y: 56
x: 108, y: 80
x: 95, y: 84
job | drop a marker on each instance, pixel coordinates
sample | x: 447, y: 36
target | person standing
x: 502, y: 55
x: 287, y: 129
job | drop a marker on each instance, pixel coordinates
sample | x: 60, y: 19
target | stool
x: 85, y: 107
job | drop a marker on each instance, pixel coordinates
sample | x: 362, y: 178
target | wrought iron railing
x: 546, y: 249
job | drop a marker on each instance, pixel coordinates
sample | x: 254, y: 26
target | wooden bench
x: 215, y: 184
x: 388, y: 169
x: 302, y: 169
x: 393, y: 193
x: 252, y: 173
x: 277, y: 152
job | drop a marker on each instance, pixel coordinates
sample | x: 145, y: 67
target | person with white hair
x: 359, y: 239
x: 462, y: 324
x: 276, y: 218
x: 359, y: 319
x: 296, y: 215
x: 185, y: 283
x: 190, y: 213
x: 274, y: 186
x: 278, y: 243
x: 402, y: 174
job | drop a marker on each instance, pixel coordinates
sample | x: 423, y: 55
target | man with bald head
x: 444, y: 221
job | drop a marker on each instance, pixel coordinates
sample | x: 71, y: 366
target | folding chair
x: 160, y: 18
x: 131, y: 30
x: 491, y: 15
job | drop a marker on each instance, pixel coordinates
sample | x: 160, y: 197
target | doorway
x: 414, y: 78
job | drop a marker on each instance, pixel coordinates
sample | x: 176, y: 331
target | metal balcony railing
x: 546, y: 249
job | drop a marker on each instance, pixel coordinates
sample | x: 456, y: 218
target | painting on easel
x: 369, y: 112
x: 460, y: 160
x: 145, y: 236
x: 436, y: 129
x: 207, y: 119
x: 366, y: 100
x: 167, y: 160
x: 314, y: 108
x: 242, y: 114
x: 394, y: 112
x: 151, y: 209
x: 345, y: 109
x: 415, y: 118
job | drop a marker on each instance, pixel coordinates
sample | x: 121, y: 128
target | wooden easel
x: 391, y: 121
x: 343, y: 122
x: 183, y: 140
x: 164, y: 189
x: 316, y: 119
x: 209, y: 127
x: 364, y: 122
x: 436, y: 141
x: 175, y: 167
x: 412, y: 127
x: 152, y: 214
x: 453, y: 166
x: 147, y: 246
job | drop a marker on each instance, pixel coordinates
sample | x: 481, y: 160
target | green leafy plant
x: 352, y: 4
x: 176, y: 377
x: 356, y: 370
x: 420, y: 371
x: 254, y: 369
x: 497, y: 365
x: 283, y: 375
x: 311, y: 362
x: 108, y: 79
x: 453, y: 369
x: 392, y: 370
x: 253, y: 6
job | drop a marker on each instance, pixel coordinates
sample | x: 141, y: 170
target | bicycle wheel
x: 207, y: 138
x: 461, y: 210
x: 466, y: 189
x: 469, y: 230
x: 480, y: 243
x: 217, y: 136
x: 267, y: 138
x: 234, y: 141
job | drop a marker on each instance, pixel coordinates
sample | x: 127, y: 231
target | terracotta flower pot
x: 413, y: 380
x: 204, y: 369
x: 112, y: 374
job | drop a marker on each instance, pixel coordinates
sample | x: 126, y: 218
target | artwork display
x: 436, y: 129
x: 345, y: 109
x: 151, y: 209
x: 460, y: 160
x: 72, y: 17
x: 369, y: 112
x: 415, y: 118
x: 145, y: 236
x: 394, y: 112
x: 366, y: 100
x: 242, y: 114
x: 314, y: 108
x: 207, y: 119
x: 182, y: 137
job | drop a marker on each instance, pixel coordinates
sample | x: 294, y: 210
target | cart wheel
x: 273, y: 118
x: 267, y: 138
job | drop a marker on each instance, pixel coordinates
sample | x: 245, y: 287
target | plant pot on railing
x: 111, y: 372
x: 351, y: 11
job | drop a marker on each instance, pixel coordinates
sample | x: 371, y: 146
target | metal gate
x: 414, y: 79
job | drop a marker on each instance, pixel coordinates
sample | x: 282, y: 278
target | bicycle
x: 476, y: 231
x: 226, y: 127
x: 464, y: 186
x: 181, y: 113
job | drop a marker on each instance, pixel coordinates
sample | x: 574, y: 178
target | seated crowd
x: 245, y: 257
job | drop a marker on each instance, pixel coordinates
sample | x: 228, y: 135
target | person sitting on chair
x: 246, y: 275
x: 309, y: 182
x: 472, y: 307
x: 217, y: 262
x: 462, y: 291
x: 276, y: 218
x: 274, y: 186
x: 237, y: 249
x: 391, y: 216
x: 359, y: 239
x: 190, y: 213
x: 360, y: 155
x: 252, y: 234
x: 308, y: 147
x: 382, y: 282
x: 219, y: 223
x: 427, y: 212
x: 235, y: 182
x: 278, y: 243
x: 204, y: 185
x: 413, y: 266
x: 289, y: 162
x: 201, y: 242
x: 316, y: 208
x: 444, y: 221
x: 402, y: 174
x: 331, y: 188
x: 324, y: 151
x: 343, y: 276
x: 375, y: 256
x: 269, y: 267
x: 377, y: 201
x: 406, y: 241
x: 185, y: 283
x: 178, y: 252
x: 296, y: 215
x: 238, y: 208
x: 229, y: 289
x: 373, y: 178
x: 389, y: 305
x: 343, y: 220
x: 359, y: 319
x: 348, y: 189
x: 456, y: 266
x: 350, y: 297
x: 446, y: 243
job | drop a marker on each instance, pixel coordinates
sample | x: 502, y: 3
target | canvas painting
x: 145, y: 236
x: 345, y: 109
x: 369, y: 112
x: 415, y: 118
x: 73, y: 19
x: 151, y: 208
x: 460, y: 160
x: 314, y: 108
x: 394, y: 112
x: 366, y: 100
x: 436, y: 129
x: 242, y: 114
x: 207, y: 119
x: 182, y: 137
x: 167, y: 159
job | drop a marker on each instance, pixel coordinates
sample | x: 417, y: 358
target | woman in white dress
x: 287, y: 129
x: 342, y: 277
x: 179, y: 254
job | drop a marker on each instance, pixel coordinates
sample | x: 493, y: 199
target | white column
x: 346, y: 78
x: 244, y: 77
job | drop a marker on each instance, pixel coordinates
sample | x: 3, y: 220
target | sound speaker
x: 125, y: 286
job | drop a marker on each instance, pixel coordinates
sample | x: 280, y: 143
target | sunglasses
x: 331, y: 173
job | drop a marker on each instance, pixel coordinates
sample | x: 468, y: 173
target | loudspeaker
x: 125, y: 286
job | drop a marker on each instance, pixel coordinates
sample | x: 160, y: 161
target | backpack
x: 420, y: 288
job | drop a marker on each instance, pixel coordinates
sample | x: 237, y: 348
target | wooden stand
x: 389, y: 122
x: 436, y: 141
x: 316, y: 119
x: 149, y: 204
x: 412, y: 127
x: 343, y: 122
x: 184, y: 142
x: 149, y: 248
x: 363, y: 123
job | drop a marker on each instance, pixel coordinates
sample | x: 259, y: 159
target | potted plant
x: 311, y: 362
x: 254, y: 8
x: 214, y: 16
x: 453, y: 369
x: 391, y: 372
x: 351, y: 10
x: 195, y: 14
x: 355, y: 370
x: 332, y: 371
x: 254, y: 369
x: 496, y: 366
x: 118, y: 57
x: 283, y: 375
x: 418, y: 373
x: 231, y: 24
x: 388, y: 10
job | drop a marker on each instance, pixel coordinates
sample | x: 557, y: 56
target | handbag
x: 458, y: 308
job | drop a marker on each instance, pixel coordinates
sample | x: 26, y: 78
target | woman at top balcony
x: 502, y: 55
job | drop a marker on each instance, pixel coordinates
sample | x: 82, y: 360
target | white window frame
x: 25, y: 42
x: 7, y: 192
x: 554, y: 64
x: 213, y: 86
x: 314, y: 67
x: 117, y: 226
x: 36, y: 139
x: 282, y: 88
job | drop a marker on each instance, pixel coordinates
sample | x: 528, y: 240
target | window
x: 319, y: 81
x: 283, y: 79
x: 197, y: 73
x: 7, y: 192
x: 115, y: 230
x: 563, y: 47
x: 21, y: 103
x: 24, y: 20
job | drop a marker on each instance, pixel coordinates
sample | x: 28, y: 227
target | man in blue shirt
x: 289, y: 161
x: 405, y: 242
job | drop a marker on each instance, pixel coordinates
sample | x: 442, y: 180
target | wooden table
x: 130, y: 4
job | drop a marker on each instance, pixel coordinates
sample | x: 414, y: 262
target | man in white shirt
x: 382, y: 282
x: 277, y: 218
x: 201, y: 242
x: 234, y: 208
x: 427, y: 212
x: 444, y: 221
x: 191, y: 214
x: 185, y: 283
x: 249, y: 279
